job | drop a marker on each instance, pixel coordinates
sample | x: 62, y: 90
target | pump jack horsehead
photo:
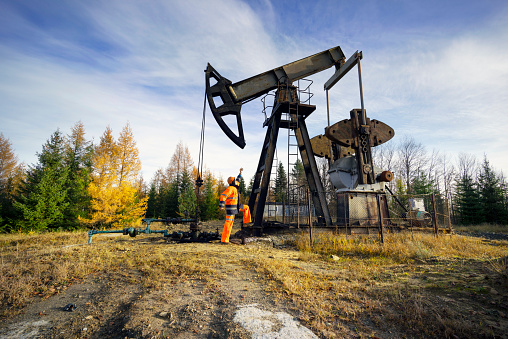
x: 352, y: 175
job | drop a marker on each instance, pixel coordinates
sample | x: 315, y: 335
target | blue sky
x: 434, y: 70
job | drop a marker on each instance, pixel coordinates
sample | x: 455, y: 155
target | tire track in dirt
x: 116, y: 304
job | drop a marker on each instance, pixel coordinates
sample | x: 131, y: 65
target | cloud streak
x: 109, y: 63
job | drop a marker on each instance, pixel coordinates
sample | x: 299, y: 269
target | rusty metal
x: 360, y: 133
x: 321, y: 146
x: 385, y: 176
x: 352, y: 136
x: 381, y: 228
x: 324, y: 147
x: 343, y: 69
x: 233, y: 95
x: 343, y: 133
x: 362, y: 210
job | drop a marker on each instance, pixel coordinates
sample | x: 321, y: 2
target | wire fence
x: 356, y: 210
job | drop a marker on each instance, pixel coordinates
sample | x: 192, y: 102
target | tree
x: 422, y: 184
x: 43, y: 196
x: 11, y: 174
x: 412, y: 158
x: 467, y: 197
x: 280, y: 191
x: 78, y: 158
x: 170, y: 183
x: 181, y: 161
x: 8, y: 162
x: 129, y: 165
x: 187, y: 201
x: 151, y: 204
x: 491, y: 194
x: 209, y: 206
x: 114, y: 187
x: 297, y: 182
x: 242, y: 191
x: 249, y: 188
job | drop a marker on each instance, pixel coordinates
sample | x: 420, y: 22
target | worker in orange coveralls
x: 229, y: 200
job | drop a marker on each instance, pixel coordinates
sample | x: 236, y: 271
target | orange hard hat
x: 231, y: 180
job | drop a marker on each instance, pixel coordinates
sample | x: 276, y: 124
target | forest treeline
x: 76, y: 184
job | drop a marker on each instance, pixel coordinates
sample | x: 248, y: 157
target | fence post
x: 310, y: 217
x: 434, y: 212
x: 283, y: 211
x: 380, y: 219
x: 449, y: 216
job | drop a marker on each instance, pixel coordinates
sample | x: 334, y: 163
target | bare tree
x: 467, y: 165
x: 447, y: 174
x: 412, y: 159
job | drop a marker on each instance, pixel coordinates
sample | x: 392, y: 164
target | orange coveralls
x: 229, y: 199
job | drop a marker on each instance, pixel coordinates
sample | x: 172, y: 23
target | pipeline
x: 194, y: 235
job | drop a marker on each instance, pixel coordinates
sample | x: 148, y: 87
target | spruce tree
x: 78, y: 158
x: 491, y: 194
x: 467, y: 201
x: 43, y: 196
x: 210, y: 203
x: 151, y: 209
x: 280, y: 190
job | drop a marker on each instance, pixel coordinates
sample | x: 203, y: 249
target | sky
x: 436, y: 71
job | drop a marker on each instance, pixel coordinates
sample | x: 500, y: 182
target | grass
x: 402, y: 247
x: 483, y: 228
x: 412, y: 285
x: 398, y: 282
x: 46, y: 264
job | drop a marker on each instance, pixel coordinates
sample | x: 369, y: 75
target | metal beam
x: 263, y: 83
x: 343, y: 69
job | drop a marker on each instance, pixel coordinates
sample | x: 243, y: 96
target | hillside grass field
x: 414, y: 285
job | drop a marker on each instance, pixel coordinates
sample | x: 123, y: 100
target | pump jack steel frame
x: 298, y: 113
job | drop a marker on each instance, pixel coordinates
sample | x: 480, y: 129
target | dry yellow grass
x: 45, y: 264
x: 483, y: 228
x: 395, y: 281
x: 403, y: 247
x: 406, y: 280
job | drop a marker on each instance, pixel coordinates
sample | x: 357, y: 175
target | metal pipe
x: 364, y: 117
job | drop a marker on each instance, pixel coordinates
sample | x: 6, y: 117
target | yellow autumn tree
x: 114, y: 187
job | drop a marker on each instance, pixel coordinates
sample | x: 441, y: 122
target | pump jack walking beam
x: 226, y: 98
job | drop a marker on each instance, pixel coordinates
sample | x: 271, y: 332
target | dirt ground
x: 117, y: 304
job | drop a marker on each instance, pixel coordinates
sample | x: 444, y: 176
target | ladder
x: 286, y: 101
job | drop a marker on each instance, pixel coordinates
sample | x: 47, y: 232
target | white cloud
x: 448, y: 91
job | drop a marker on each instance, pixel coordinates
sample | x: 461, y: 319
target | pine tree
x: 298, y: 182
x: 421, y: 184
x: 78, y: 158
x: 43, y: 196
x: 491, y: 194
x: 249, y: 188
x: 467, y: 201
x: 210, y: 202
x: 280, y: 191
x: 151, y: 205
x: 171, y: 182
x: 187, y: 202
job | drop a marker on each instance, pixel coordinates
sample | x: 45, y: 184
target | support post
x: 310, y: 216
x: 381, y: 230
x: 434, y: 212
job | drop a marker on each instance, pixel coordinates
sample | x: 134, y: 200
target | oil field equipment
x: 346, y: 144
x: 195, y: 233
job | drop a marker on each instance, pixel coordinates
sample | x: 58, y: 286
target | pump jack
x: 358, y: 133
